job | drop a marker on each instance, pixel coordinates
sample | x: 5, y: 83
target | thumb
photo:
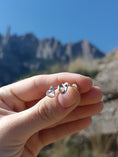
x: 48, y: 111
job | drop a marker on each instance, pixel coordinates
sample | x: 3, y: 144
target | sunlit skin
x: 29, y: 120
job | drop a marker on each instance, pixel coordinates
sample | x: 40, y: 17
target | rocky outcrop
x: 51, y: 48
x: 107, y: 79
x: 22, y: 55
x: 102, y: 135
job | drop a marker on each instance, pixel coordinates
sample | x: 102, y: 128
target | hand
x: 29, y: 120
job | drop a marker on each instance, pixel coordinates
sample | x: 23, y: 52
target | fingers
x: 82, y: 112
x: 48, y: 136
x: 94, y: 95
x: 46, y: 112
x: 91, y: 97
x: 45, y: 137
x: 90, y: 104
x: 35, y: 87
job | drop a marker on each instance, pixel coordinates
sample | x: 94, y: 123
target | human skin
x: 29, y: 120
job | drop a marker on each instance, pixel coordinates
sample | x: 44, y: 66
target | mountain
x: 22, y: 55
x: 53, y: 49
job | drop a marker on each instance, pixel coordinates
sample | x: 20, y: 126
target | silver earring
x: 74, y: 85
x: 62, y: 88
x: 51, y: 92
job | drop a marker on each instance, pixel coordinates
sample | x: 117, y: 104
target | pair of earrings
x: 62, y: 88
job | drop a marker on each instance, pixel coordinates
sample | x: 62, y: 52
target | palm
x: 25, y: 147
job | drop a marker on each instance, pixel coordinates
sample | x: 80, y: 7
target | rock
x: 102, y: 135
x: 22, y: 55
x: 107, y: 80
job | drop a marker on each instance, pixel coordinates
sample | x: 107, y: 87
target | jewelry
x: 51, y: 92
x: 62, y: 88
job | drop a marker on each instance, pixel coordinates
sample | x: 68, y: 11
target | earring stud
x: 51, y: 92
x: 62, y: 88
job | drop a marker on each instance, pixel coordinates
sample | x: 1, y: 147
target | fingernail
x: 69, y: 98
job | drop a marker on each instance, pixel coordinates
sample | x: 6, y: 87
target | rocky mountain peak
x: 25, y: 54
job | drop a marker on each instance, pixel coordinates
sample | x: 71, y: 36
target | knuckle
x: 44, y: 112
x: 48, y: 110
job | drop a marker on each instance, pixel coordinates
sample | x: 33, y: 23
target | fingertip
x: 86, y: 84
x: 89, y: 82
x: 93, y: 96
x: 98, y: 92
x: 100, y: 107
x: 70, y: 98
x: 89, y: 120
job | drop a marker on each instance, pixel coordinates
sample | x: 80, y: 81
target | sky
x: 65, y: 20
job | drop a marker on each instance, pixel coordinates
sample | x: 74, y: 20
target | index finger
x: 35, y: 87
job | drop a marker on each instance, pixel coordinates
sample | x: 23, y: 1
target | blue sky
x: 65, y: 20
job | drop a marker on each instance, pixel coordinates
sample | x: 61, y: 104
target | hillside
x: 22, y: 55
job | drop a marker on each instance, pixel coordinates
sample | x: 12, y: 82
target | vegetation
x: 84, y: 67
x: 79, y: 66
x: 96, y: 146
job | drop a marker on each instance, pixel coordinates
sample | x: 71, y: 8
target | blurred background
x: 43, y: 37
